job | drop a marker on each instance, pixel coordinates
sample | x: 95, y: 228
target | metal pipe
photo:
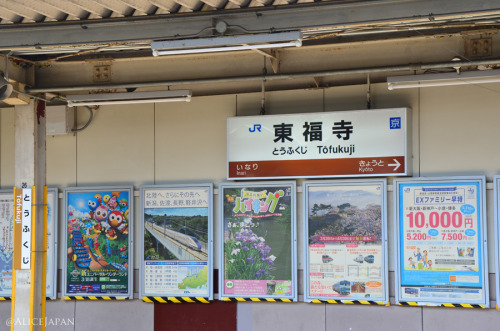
x: 364, y: 71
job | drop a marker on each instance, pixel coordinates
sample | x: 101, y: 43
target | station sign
x: 328, y: 144
x: 22, y: 225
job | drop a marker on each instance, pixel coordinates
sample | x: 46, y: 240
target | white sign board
x: 329, y: 144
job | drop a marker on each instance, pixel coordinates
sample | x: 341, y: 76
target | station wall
x: 454, y: 130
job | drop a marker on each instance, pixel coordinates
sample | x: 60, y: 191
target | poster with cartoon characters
x: 346, y: 250
x: 258, y: 250
x: 6, y: 243
x: 98, y: 259
x: 441, y: 241
x: 177, y: 245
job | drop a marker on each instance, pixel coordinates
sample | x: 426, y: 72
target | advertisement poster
x: 441, y: 242
x: 177, y: 241
x: 346, y: 246
x: 258, y: 233
x: 6, y: 250
x: 356, y: 143
x: 6, y: 244
x: 98, y: 225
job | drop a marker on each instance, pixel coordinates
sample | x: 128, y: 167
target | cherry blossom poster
x: 258, y: 232
x: 345, y: 224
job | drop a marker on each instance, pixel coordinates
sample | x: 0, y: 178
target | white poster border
x: 52, y: 281
x: 496, y: 212
x: 293, y: 207
x: 64, y: 221
x: 210, y: 280
x: 370, y: 182
x: 481, y: 181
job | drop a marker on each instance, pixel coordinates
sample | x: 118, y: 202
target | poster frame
x: 496, y: 212
x: 52, y: 294
x: 293, y: 240
x: 10, y: 194
x: 210, y: 280
x: 64, y: 221
x: 368, y: 182
x: 55, y: 243
x: 481, y: 196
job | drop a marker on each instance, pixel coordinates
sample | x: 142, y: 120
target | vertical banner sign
x: 8, y: 207
x: 441, y: 253
x: 6, y: 248
x: 98, y: 232
x: 329, y: 144
x: 346, y: 246
x: 177, y: 243
x: 258, y: 248
x: 26, y: 231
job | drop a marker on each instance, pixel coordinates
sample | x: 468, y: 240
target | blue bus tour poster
x: 98, y: 224
x: 441, y: 241
x: 177, y: 241
x: 258, y: 236
x: 346, y: 251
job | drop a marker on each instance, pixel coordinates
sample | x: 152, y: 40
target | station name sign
x: 328, y: 144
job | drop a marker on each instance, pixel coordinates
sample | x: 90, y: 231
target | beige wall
x: 454, y: 132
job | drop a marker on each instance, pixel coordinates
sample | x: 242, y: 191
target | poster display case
x: 258, y: 241
x: 496, y: 197
x: 345, y: 241
x: 440, y: 242
x: 176, y: 243
x: 6, y: 245
x: 98, y: 242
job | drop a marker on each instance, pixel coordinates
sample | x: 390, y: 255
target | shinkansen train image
x: 343, y: 287
x: 368, y: 259
x: 182, y: 238
x: 326, y: 258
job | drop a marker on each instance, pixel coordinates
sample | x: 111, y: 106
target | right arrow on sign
x: 397, y: 164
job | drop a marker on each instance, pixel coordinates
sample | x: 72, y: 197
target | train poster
x: 441, y: 242
x: 98, y: 229
x: 6, y: 244
x: 346, y: 241
x: 176, y: 245
x: 258, y: 248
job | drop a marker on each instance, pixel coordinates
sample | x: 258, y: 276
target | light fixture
x: 128, y: 97
x: 227, y: 43
x: 446, y: 79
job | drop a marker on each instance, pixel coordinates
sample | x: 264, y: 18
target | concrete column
x: 29, y: 141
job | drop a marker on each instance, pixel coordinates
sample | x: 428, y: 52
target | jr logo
x: 255, y: 127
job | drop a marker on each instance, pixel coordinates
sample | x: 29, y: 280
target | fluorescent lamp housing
x: 447, y: 79
x: 128, y: 98
x: 229, y: 43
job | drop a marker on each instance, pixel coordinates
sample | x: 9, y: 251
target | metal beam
x: 313, y: 75
x: 315, y: 16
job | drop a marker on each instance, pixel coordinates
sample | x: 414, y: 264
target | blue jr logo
x: 255, y: 127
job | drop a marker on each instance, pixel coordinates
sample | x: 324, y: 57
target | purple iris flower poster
x: 258, y: 250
